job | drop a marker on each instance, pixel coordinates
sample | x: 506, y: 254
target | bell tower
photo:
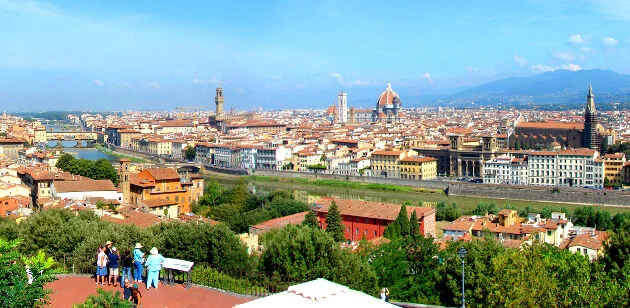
x: 218, y: 100
x: 590, y: 136
x: 124, y: 179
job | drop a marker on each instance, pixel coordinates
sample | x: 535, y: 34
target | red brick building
x: 369, y: 219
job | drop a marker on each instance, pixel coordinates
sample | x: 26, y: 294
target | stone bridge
x: 90, y: 136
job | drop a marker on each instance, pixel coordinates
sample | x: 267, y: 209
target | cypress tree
x: 414, y: 227
x: 334, y: 226
x: 402, y: 221
x: 310, y: 220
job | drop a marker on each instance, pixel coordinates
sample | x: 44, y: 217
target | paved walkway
x: 69, y: 290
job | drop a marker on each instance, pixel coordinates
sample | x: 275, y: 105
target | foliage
x: 105, y: 299
x: 310, y: 220
x: 446, y: 212
x: 317, y: 167
x: 591, y: 217
x: 254, y: 284
x: 334, y: 226
x: 526, y: 211
x: 100, y: 169
x: 15, y: 291
x: 401, y: 227
x: 338, y: 183
x: 485, y: 208
x: 190, y: 153
x: 307, y: 253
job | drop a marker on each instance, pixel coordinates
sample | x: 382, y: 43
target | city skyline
x: 64, y: 55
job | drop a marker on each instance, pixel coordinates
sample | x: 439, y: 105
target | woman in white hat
x: 138, y: 260
x: 154, y: 265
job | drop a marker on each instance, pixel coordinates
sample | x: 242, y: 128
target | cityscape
x: 333, y: 180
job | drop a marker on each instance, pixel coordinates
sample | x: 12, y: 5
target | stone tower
x: 124, y: 180
x: 342, y: 100
x: 218, y: 100
x: 590, y: 136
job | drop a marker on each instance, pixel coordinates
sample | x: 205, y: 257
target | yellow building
x: 418, y: 168
x: 125, y: 137
x: 160, y: 146
x: 386, y: 163
x: 305, y: 159
x: 159, y: 207
x: 613, y: 167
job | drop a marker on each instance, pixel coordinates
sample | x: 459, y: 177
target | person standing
x: 138, y: 260
x: 154, y: 265
x: 101, y: 263
x: 113, y: 266
x: 127, y: 262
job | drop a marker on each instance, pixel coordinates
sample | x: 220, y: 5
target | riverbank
x: 344, y: 184
x: 132, y: 158
x: 308, y: 192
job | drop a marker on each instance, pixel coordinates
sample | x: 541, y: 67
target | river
x: 309, y: 193
x: 85, y: 153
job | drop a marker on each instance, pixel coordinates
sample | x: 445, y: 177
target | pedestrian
x: 138, y: 260
x: 127, y: 262
x: 136, y: 296
x: 127, y: 290
x: 385, y: 294
x: 101, y: 264
x: 108, y: 247
x: 154, y: 265
x: 113, y: 266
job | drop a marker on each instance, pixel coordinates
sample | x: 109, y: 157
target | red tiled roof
x: 359, y: 208
x: 294, y: 219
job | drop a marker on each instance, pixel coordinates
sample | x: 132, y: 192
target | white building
x: 342, y: 100
x: 83, y: 189
x: 506, y: 170
x: 272, y: 157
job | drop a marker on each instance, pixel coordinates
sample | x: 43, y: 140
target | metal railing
x: 242, y: 282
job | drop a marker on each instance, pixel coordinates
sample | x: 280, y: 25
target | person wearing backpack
x: 138, y: 261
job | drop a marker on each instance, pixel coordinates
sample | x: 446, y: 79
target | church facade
x: 540, y: 135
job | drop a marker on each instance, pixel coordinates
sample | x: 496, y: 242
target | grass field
x: 438, y: 228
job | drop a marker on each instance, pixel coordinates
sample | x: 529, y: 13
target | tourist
x: 127, y: 262
x: 108, y: 247
x: 113, y: 266
x: 138, y: 260
x: 136, y: 296
x: 101, y: 263
x: 127, y: 290
x: 154, y: 265
x: 385, y: 294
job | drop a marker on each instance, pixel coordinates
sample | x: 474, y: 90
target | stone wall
x: 566, y: 195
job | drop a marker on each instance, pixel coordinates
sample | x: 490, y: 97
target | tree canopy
x: 334, y: 226
x: 100, y: 169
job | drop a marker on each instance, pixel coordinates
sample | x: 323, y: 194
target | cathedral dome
x: 386, y: 99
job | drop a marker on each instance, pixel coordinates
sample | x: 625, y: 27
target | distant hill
x: 559, y: 88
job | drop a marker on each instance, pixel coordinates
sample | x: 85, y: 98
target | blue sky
x: 115, y: 55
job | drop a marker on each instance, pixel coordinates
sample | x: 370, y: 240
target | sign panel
x: 177, y: 264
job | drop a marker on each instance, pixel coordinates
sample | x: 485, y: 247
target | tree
x: 310, y: 220
x: 334, y: 226
x: 105, y: 299
x: 399, y: 227
x: 414, y: 226
x: 604, y: 146
x: 16, y: 289
x: 526, y: 211
x: 190, y: 153
x: 485, y: 208
x: 606, y: 182
x: 301, y: 254
x: 101, y: 206
x: 517, y: 145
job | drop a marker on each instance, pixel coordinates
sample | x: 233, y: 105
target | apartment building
x: 272, y: 157
x: 418, y: 168
x: 613, y: 167
x: 386, y: 163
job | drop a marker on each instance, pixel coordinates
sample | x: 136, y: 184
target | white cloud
x: 99, y: 83
x: 198, y: 81
x: 576, y: 39
x: 214, y: 80
x: 299, y: 86
x: 125, y: 85
x: 586, y: 49
x: 358, y: 82
x: 427, y: 77
x: 571, y: 67
x: 471, y: 69
x: 564, y: 55
x: 520, y: 60
x: 154, y: 85
x: 337, y: 76
x: 609, y: 41
x: 30, y: 8
x: 541, y: 68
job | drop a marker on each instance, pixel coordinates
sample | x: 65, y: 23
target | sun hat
x: 114, y: 249
x: 108, y: 243
x: 153, y: 251
x: 138, y: 245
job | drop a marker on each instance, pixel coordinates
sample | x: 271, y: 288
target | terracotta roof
x: 139, y: 219
x: 160, y: 174
x: 359, y: 208
x: 418, y: 159
x: 277, y: 223
x: 552, y: 125
x: 590, y: 241
x: 464, y: 223
x: 84, y: 185
x: 157, y: 202
x: 388, y: 153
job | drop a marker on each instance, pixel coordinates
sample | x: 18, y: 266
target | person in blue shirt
x: 138, y: 260
x: 127, y: 290
x: 154, y: 264
x: 113, y: 266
